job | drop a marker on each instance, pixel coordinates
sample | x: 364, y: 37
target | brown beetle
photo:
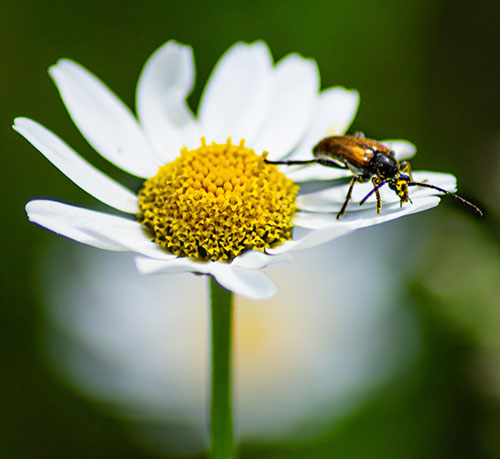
x: 368, y: 159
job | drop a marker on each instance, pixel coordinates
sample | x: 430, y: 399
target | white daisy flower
x: 218, y: 208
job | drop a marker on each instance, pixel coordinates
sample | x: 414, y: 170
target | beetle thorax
x: 386, y: 166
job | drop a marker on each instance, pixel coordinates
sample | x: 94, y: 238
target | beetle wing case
x: 355, y: 151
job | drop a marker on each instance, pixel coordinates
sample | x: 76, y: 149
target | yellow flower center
x: 217, y: 201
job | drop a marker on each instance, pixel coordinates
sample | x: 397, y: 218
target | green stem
x: 221, y: 417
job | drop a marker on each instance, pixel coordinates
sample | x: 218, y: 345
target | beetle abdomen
x: 347, y: 149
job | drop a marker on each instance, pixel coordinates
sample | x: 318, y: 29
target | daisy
x: 215, y: 207
x: 210, y: 206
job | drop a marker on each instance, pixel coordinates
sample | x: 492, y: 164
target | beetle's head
x: 400, y: 186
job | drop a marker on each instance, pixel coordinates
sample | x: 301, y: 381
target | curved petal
x: 255, y: 259
x: 331, y: 200
x: 441, y: 179
x: 365, y: 217
x: 313, y: 238
x: 314, y: 186
x: 174, y: 266
x: 249, y: 283
x: 333, y: 114
x: 237, y: 95
x: 164, y: 85
x: 295, y: 86
x: 83, y: 174
x: 103, y: 119
x: 93, y: 228
x: 249, y: 260
x: 46, y: 214
x: 402, y: 148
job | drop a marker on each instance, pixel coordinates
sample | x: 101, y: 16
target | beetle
x: 368, y: 159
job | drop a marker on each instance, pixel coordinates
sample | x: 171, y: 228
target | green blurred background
x: 426, y: 71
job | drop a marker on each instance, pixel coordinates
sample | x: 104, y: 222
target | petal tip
x: 140, y: 265
x: 173, y: 45
x: 32, y: 207
x: 60, y: 63
x: 18, y: 122
x: 27, y: 208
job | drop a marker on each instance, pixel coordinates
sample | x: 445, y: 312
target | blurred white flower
x: 275, y: 107
x: 308, y: 356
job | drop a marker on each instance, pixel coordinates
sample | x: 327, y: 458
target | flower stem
x: 221, y: 417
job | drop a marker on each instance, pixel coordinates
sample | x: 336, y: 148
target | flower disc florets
x: 215, y: 202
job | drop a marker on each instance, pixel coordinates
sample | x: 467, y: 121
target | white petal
x: 366, y: 217
x: 315, y: 186
x: 314, y: 238
x: 164, y: 85
x: 333, y: 114
x: 402, y: 148
x: 441, y: 179
x: 76, y: 168
x: 295, y: 86
x: 93, y: 228
x: 103, y: 119
x: 174, y: 266
x: 237, y: 95
x: 249, y: 260
x: 255, y: 259
x: 46, y: 213
x: 331, y: 200
x: 249, y: 283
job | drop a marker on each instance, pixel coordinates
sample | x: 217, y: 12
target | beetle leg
x: 330, y: 162
x: 406, y: 168
x: 292, y: 162
x: 356, y: 178
x: 376, y: 185
x: 323, y: 160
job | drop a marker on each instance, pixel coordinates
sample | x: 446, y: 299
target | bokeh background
x: 426, y: 71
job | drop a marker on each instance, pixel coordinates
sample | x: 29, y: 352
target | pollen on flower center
x: 217, y: 201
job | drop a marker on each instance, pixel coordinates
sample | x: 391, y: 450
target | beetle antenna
x: 373, y: 190
x: 456, y: 196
